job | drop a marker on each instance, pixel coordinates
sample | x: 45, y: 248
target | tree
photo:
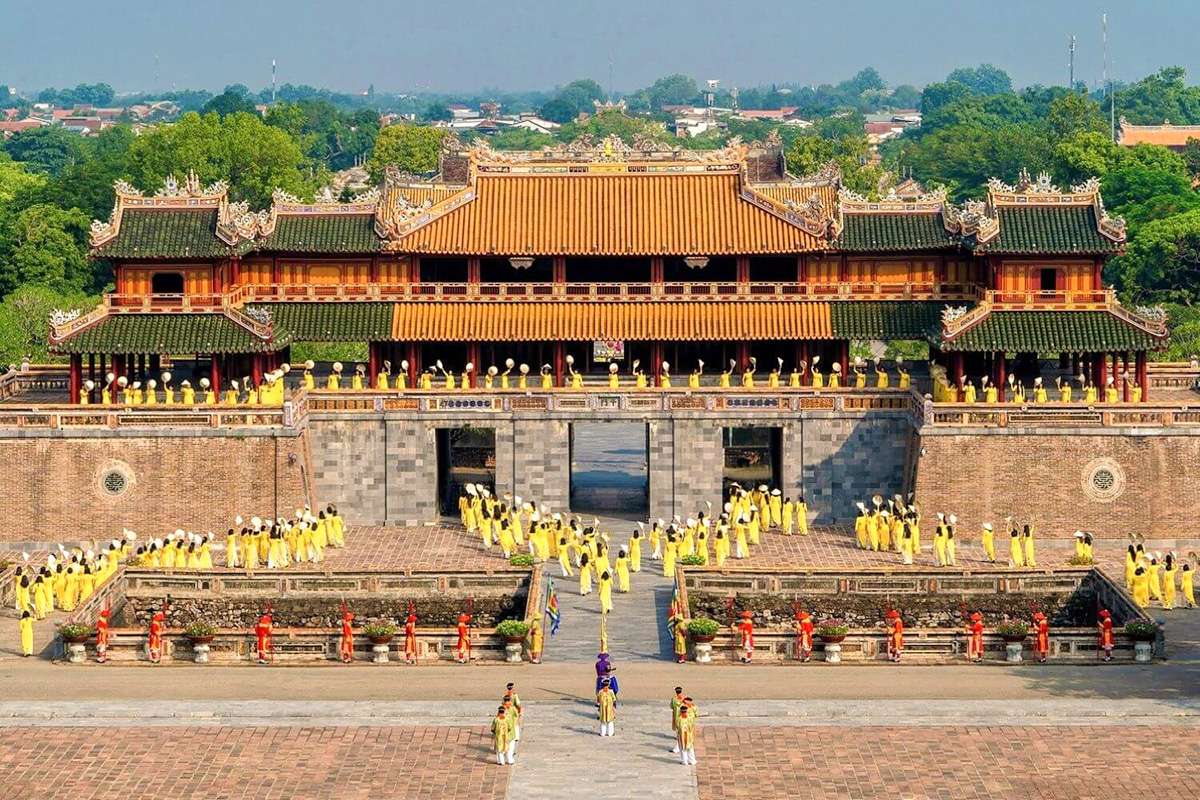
x: 557, y: 110
x: 230, y: 103
x: 24, y: 321
x: 252, y: 156
x: 437, y: 112
x: 1163, y: 260
x: 936, y: 95
x: 612, y: 123
x: 809, y: 153
x: 48, y: 150
x: 672, y: 90
x: 984, y: 79
x: 15, y: 180
x: 1159, y: 98
x: 905, y: 96
x: 411, y: 148
x: 520, y: 139
x: 88, y: 183
x: 963, y: 157
x: 1074, y: 113
x: 45, y: 245
x: 571, y: 100
x: 1191, y: 156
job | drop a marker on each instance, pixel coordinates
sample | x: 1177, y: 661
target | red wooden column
x: 103, y: 372
x: 743, y: 356
x: 559, y: 361
x: 1126, y: 377
x: 118, y: 365
x: 956, y: 360
x: 1101, y: 378
x: 76, y: 382
x: 743, y: 274
x: 1143, y: 374
x: 656, y: 359
x: 658, y: 273
x: 155, y: 369
x: 801, y: 355
x: 1000, y: 378
x: 372, y: 362
x: 844, y: 357
x: 474, y: 354
x: 559, y: 273
x: 214, y: 374
x: 256, y: 369
x: 414, y: 363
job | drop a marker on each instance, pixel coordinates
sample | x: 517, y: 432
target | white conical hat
x: 309, y: 364
x: 205, y: 383
x: 987, y: 526
x: 166, y: 377
x: 953, y: 519
x: 613, y: 368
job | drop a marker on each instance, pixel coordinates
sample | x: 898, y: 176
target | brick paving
x: 260, y: 762
x: 946, y: 762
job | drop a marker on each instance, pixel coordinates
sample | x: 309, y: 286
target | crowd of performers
x: 894, y: 525
x: 964, y: 391
x: 1153, y: 577
x: 260, y: 544
x: 64, y: 581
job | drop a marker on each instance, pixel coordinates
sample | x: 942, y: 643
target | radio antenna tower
x: 1071, y: 65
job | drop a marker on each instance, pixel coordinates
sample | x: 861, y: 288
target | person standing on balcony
x: 773, y: 378
x: 381, y: 380
x: 797, y: 375
x: 905, y: 380
x: 748, y: 374
x: 881, y: 376
x: 614, y: 376
x: 988, y: 540
x: 725, y: 380
x: 664, y: 379
x: 1039, y: 391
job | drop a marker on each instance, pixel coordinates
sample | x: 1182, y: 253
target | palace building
x: 591, y: 252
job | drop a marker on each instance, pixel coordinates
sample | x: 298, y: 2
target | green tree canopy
x: 1163, y: 260
x: 411, y: 148
x: 254, y: 157
x: 230, y: 102
x: 984, y: 79
x: 45, y: 245
x: 48, y: 150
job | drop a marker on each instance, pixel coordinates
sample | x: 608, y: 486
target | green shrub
x: 702, y: 626
x: 521, y: 560
x: 832, y: 627
x: 74, y: 630
x: 1141, y: 630
x: 692, y: 561
x: 1013, y: 629
x: 1081, y: 561
x: 199, y: 629
x: 378, y: 630
x: 512, y: 628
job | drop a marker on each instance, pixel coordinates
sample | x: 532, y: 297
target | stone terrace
x: 284, y: 762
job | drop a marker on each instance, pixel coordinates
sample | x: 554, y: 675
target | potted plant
x: 379, y: 632
x: 703, y: 629
x: 1140, y: 630
x: 521, y: 560
x: 513, y: 631
x: 832, y: 631
x: 692, y: 561
x: 1012, y: 631
x: 75, y: 632
x: 1081, y: 561
x: 200, y: 632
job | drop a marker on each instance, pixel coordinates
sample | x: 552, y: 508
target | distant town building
x: 1173, y: 137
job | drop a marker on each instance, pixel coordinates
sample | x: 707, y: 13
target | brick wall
x: 54, y: 488
x: 1046, y: 478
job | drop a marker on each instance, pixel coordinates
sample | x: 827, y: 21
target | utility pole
x: 272, y: 81
x: 1112, y: 101
x: 1071, y: 65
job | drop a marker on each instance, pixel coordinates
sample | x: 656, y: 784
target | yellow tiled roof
x: 599, y: 214
x: 626, y: 321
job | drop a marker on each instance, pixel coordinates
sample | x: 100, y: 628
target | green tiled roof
x: 885, y: 319
x: 1052, y: 332
x: 322, y: 233
x: 1039, y: 230
x: 166, y: 233
x: 166, y: 334
x: 896, y: 231
x: 332, y: 321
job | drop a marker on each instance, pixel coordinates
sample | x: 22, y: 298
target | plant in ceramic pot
x: 1141, y: 630
x: 1012, y: 632
x: 75, y: 632
x: 703, y: 629
x: 379, y: 632
x: 513, y: 631
x: 832, y: 631
x: 200, y: 632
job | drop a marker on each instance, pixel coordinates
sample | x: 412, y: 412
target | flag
x: 676, y: 612
x: 552, y: 606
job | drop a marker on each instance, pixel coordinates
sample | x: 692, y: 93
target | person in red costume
x: 346, y: 646
x: 462, y: 650
x: 1104, y: 626
x: 804, y: 636
x: 102, y: 637
x: 975, y: 638
x: 1041, y: 636
x: 745, y: 631
x: 410, y: 639
x: 895, y: 641
x: 266, y: 651
x: 154, y: 645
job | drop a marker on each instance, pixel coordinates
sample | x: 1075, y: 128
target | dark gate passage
x: 465, y: 455
x: 753, y: 456
x: 610, y: 473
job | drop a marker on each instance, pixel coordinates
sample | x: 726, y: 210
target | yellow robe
x: 26, y: 625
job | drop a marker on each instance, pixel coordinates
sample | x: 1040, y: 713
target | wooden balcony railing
x: 1053, y: 414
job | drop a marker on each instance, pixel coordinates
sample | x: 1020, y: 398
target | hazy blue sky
x: 524, y: 44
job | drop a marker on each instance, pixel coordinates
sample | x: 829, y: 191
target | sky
x: 468, y: 45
